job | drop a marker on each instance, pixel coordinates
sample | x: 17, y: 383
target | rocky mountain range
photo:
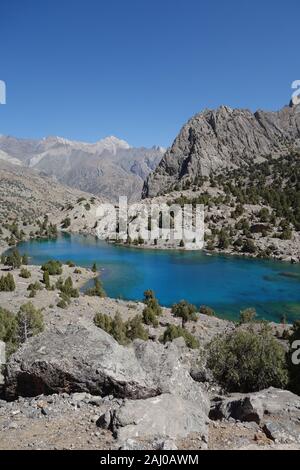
x: 226, y: 138
x: 108, y: 168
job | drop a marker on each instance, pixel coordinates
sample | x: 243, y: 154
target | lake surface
x: 227, y: 284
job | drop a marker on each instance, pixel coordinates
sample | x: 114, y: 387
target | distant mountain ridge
x: 222, y: 139
x: 109, y: 167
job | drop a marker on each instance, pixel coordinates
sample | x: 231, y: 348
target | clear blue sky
x: 138, y: 69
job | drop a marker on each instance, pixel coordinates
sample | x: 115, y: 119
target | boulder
x: 86, y: 359
x: 276, y: 411
x: 169, y: 368
x: 78, y: 359
x: 163, y: 417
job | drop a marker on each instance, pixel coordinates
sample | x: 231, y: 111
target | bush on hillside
x: 172, y: 332
x: 248, y: 360
x: 53, y: 267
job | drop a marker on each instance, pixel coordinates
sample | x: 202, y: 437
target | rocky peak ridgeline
x: 108, y: 168
x: 222, y: 139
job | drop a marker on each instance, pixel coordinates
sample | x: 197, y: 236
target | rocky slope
x: 26, y: 197
x: 108, y: 168
x: 73, y: 386
x: 225, y: 138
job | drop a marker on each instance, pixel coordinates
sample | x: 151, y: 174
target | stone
x: 79, y: 359
x: 223, y: 138
x: 254, y: 406
x: 163, y: 417
x: 276, y: 411
x: 86, y: 360
x: 104, y: 421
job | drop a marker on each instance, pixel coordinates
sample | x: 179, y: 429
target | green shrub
x: 34, y: 288
x: 97, y: 290
x: 122, y: 332
x: 118, y: 330
x: 14, y: 259
x: 172, y: 332
x: 25, y: 273
x: 103, y: 321
x: 30, y: 322
x: 152, y: 309
x: 68, y: 289
x: 135, y: 329
x: 249, y: 246
x: 248, y: 360
x: 25, y: 259
x: 206, y: 310
x: 248, y: 315
x: 7, y: 283
x: 64, y: 300
x: 46, y: 279
x: 185, y: 311
x: 8, y: 330
x: 53, y: 267
x: 150, y: 317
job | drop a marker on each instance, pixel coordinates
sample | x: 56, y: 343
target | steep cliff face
x: 224, y: 138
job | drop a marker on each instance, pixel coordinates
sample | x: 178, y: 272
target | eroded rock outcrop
x: 276, y: 411
x: 224, y: 138
x: 86, y: 359
x: 77, y: 359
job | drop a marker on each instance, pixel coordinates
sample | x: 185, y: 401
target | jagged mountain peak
x: 213, y: 140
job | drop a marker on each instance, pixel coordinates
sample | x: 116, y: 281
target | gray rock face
x: 76, y: 360
x: 86, y: 359
x: 277, y: 411
x: 109, y: 167
x: 166, y: 416
x: 223, y: 138
x: 169, y: 369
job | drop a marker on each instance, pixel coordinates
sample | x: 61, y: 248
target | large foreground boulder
x: 78, y: 359
x: 163, y: 417
x: 276, y: 411
x: 169, y: 366
x: 86, y: 359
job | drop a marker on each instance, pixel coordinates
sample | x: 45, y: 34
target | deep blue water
x: 225, y: 283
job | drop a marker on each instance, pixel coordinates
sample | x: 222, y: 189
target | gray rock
x: 104, y: 420
x: 276, y: 411
x: 223, y: 138
x: 283, y: 432
x: 168, y: 445
x: 77, y: 360
x: 88, y: 360
x: 254, y: 406
x: 108, y: 168
x: 168, y: 367
x: 163, y: 417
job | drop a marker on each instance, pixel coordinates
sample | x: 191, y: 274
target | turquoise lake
x: 227, y: 284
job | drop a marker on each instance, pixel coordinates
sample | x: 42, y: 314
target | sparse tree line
x: 274, y: 185
x: 16, y: 329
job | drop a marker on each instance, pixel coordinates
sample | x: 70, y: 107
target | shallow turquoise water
x: 225, y: 283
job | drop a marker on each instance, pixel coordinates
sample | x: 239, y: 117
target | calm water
x: 227, y: 284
